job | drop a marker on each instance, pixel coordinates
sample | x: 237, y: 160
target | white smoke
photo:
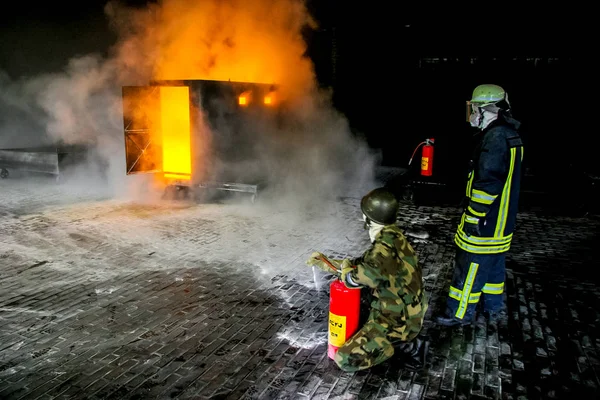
x: 309, y: 156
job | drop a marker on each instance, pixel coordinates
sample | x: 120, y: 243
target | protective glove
x: 321, y: 261
x: 346, y: 278
x: 471, y: 225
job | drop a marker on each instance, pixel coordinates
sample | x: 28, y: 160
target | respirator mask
x: 373, y: 227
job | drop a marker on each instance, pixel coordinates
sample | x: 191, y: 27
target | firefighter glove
x: 471, y: 225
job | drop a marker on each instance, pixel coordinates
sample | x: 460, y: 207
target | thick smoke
x: 310, y: 154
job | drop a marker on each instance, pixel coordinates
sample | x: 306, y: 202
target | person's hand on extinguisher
x: 321, y: 261
x: 346, y: 276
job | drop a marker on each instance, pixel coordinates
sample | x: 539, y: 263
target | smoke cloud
x: 309, y: 154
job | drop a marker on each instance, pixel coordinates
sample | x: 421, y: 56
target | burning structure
x: 199, y: 133
x: 204, y: 94
x: 230, y: 102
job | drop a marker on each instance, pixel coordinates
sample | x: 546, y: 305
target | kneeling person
x: 391, y: 270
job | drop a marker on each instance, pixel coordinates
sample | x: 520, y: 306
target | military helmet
x: 487, y: 94
x: 380, y: 206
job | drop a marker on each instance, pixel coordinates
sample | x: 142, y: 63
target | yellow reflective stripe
x: 479, y: 196
x: 462, y: 306
x: 474, y: 298
x: 485, y: 240
x: 472, y: 220
x: 470, y: 183
x: 521, y: 148
x: 505, y: 200
x: 457, y: 295
x: 462, y: 223
x: 479, y: 214
x: 480, y: 249
x: 479, y: 200
x: 493, y: 288
x: 456, y: 291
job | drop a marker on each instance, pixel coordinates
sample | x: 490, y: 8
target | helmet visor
x: 471, y: 109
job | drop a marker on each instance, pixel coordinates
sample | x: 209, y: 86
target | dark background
x: 399, y: 73
x: 401, y: 80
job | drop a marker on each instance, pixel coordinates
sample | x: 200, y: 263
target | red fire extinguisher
x: 344, y: 313
x: 426, y: 157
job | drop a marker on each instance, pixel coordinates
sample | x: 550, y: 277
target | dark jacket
x: 493, y: 189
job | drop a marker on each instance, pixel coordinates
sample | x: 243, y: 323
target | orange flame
x: 269, y: 99
x: 220, y: 40
x: 212, y: 40
x: 175, y: 132
x: 244, y: 99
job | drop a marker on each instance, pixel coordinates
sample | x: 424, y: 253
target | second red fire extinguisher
x: 426, y: 157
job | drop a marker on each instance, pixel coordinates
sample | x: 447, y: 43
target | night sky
x: 380, y: 50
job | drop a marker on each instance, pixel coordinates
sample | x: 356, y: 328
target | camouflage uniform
x: 391, y: 269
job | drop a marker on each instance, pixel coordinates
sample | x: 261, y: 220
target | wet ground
x: 104, y: 298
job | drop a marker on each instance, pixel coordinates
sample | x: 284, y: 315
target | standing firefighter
x: 391, y: 270
x: 486, y: 227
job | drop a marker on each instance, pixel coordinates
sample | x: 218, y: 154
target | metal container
x: 40, y: 160
x: 199, y: 134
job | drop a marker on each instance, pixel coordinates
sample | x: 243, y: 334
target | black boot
x: 449, y: 321
x: 493, y: 317
x: 413, y: 355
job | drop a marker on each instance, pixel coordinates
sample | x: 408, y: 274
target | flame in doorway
x: 226, y: 40
x: 175, y: 132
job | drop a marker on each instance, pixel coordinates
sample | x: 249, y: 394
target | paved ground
x: 111, y: 299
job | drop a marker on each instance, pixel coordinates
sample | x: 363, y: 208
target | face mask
x: 475, y: 117
x: 374, y: 230
x: 481, y: 118
x: 373, y: 227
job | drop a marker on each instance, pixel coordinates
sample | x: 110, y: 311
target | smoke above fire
x: 311, y: 152
x: 248, y: 41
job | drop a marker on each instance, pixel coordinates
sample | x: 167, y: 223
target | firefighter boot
x: 413, y: 355
x: 494, y: 317
x: 450, y: 321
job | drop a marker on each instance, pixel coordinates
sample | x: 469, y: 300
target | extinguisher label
x: 337, y: 329
x: 424, y: 163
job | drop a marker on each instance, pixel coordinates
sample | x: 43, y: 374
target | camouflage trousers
x: 374, y: 342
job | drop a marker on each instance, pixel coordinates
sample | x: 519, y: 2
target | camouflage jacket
x: 390, y: 267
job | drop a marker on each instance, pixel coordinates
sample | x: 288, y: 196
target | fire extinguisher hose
x: 415, y: 152
x: 329, y: 263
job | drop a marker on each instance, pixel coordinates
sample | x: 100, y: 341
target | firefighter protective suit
x: 486, y: 227
x: 390, y: 268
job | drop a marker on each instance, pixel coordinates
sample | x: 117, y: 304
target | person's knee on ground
x: 367, y: 348
x: 362, y: 357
